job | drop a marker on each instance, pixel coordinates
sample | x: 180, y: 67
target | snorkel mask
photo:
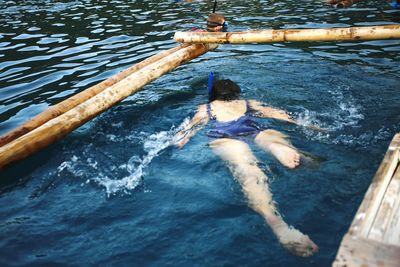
x: 222, y: 26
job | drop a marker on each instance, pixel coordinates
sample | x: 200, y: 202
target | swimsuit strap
x: 210, y: 116
x: 249, y: 109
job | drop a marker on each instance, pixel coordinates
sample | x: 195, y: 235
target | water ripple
x: 50, y: 50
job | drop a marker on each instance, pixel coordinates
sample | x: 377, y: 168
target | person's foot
x: 297, y: 243
x: 287, y: 156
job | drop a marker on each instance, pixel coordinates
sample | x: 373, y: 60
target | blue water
x: 115, y: 193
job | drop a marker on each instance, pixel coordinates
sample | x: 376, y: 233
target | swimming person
x: 233, y: 124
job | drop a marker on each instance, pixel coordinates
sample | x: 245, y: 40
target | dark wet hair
x: 224, y: 90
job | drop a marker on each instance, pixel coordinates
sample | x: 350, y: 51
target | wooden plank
x: 392, y: 234
x: 380, y: 228
x: 362, y: 252
x: 374, y: 235
x: 395, y: 142
x: 366, y: 214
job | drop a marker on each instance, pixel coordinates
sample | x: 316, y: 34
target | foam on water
x: 343, y: 114
x: 153, y: 145
x: 50, y: 50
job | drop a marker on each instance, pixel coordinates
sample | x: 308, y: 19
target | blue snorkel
x: 210, y: 83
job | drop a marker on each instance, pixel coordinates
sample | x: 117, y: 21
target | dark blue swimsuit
x: 244, y: 126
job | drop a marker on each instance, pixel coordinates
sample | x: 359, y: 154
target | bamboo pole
x: 60, y: 126
x: 292, y: 35
x: 64, y: 106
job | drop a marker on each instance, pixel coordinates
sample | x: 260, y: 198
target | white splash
x: 349, y: 113
x: 136, y: 166
x: 344, y: 112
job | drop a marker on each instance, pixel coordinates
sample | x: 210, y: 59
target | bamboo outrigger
x: 292, y: 35
x: 62, y: 107
x: 63, y: 124
x: 63, y: 118
x: 374, y: 235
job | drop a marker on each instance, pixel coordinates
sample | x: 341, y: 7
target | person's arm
x: 279, y: 114
x: 270, y: 112
x: 198, y: 121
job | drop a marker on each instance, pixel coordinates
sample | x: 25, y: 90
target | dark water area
x: 115, y: 193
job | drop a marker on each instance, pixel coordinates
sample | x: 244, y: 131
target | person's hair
x: 224, y: 90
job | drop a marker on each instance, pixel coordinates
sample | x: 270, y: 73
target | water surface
x: 115, y: 193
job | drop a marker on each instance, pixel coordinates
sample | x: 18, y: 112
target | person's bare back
x: 225, y: 111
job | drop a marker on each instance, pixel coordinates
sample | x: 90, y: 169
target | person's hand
x: 182, y: 142
x: 340, y: 3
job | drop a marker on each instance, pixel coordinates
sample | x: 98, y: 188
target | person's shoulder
x: 255, y: 103
x: 202, y: 108
x: 236, y: 103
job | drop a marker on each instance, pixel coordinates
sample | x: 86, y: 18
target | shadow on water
x: 18, y: 174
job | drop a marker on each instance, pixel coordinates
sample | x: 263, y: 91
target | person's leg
x: 277, y: 144
x: 243, y: 165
